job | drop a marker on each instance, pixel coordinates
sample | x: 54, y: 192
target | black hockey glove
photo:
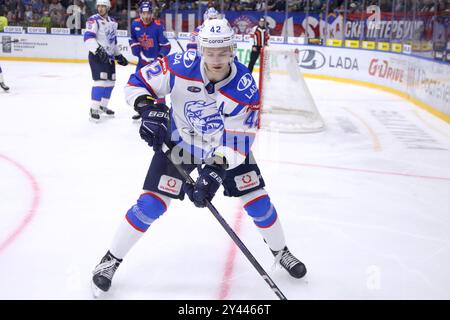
x: 102, y: 55
x: 209, y: 180
x: 121, y: 60
x: 155, y: 120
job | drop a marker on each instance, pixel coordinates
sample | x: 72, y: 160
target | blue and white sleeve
x: 153, y: 80
x: 90, y: 36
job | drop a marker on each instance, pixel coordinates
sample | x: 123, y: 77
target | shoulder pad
x: 185, y: 65
x: 242, y: 89
x: 94, y: 17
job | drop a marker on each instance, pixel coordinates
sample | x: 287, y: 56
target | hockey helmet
x: 210, y: 13
x: 106, y: 3
x: 217, y: 33
x: 145, y: 6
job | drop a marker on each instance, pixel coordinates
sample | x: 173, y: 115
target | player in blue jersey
x: 209, y: 14
x: 2, y: 84
x: 147, y: 39
x: 211, y: 125
x: 101, y: 40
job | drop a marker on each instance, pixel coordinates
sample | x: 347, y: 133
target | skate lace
x: 286, y: 259
x: 107, y: 269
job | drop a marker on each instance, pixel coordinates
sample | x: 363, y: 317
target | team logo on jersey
x: 194, y: 89
x: 189, y: 58
x: 203, y: 117
x: 247, y: 181
x: 146, y: 42
x: 245, y: 82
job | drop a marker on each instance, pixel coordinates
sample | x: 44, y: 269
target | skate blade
x: 94, y: 120
x: 96, y: 291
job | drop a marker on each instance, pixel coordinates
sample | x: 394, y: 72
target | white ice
x: 365, y: 204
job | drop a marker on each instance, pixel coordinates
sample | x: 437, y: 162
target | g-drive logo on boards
x: 314, y: 59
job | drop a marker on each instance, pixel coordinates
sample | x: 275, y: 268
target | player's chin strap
x: 188, y: 179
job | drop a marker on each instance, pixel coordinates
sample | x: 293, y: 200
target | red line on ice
x: 231, y: 256
x: 34, y: 205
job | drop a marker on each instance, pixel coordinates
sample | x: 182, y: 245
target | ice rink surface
x: 365, y: 204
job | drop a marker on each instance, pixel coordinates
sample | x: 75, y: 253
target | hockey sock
x: 125, y: 238
x: 149, y: 207
x: 96, y: 97
x: 264, y: 215
x: 106, y: 95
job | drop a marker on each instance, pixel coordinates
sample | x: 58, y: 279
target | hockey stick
x: 228, y: 229
x: 179, y: 44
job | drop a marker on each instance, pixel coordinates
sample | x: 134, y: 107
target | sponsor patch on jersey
x: 245, y: 82
x: 137, y: 29
x: 247, y: 181
x: 194, y: 89
x: 203, y: 117
x: 90, y: 24
x: 170, y: 185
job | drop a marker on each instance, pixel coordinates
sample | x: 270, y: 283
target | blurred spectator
x: 56, y: 14
x: 37, y: 5
x: 3, y: 22
x: 46, y: 21
x: 32, y: 12
x: 248, y: 4
x: 28, y: 14
x: 55, y: 5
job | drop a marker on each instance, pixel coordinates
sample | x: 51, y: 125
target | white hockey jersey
x: 103, y: 32
x: 206, y: 119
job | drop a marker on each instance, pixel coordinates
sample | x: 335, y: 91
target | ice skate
x: 136, y: 117
x: 292, y: 265
x: 4, y: 86
x: 107, y: 111
x: 94, y: 115
x: 103, y: 274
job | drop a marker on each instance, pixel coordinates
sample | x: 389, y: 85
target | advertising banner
x: 423, y: 79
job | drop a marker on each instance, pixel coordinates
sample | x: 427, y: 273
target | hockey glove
x: 102, y: 55
x: 209, y: 180
x: 121, y: 60
x: 155, y: 120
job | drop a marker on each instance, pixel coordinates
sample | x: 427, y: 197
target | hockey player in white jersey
x: 212, y: 121
x: 2, y: 84
x: 101, y: 40
x: 210, y: 14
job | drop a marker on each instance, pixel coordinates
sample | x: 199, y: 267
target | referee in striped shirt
x: 260, y: 34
